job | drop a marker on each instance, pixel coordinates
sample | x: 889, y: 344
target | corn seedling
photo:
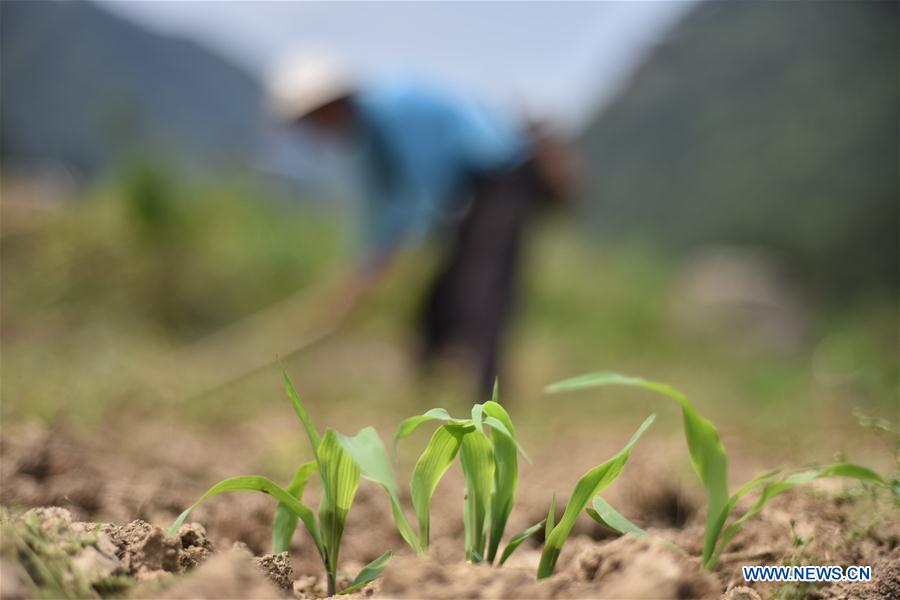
x: 487, y: 449
x: 711, y: 466
x: 590, y: 484
x: 339, y: 475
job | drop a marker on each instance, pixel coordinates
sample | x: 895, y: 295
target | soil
x: 107, y: 503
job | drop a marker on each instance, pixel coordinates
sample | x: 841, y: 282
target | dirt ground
x: 135, y: 493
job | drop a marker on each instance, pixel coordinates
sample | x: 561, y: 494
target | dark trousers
x: 470, y: 301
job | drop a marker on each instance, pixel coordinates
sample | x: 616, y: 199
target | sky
x: 555, y: 60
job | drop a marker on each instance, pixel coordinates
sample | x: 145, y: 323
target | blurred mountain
x: 768, y: 123
x: 86, y: 89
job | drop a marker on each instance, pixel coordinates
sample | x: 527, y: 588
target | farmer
x: 431, y: 161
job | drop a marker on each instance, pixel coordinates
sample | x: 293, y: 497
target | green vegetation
x: 339, y: 476
x: 141, y: 265
x: 145, y: 265
x: 488, y: 455
x: 591, y: 484
x: 488, y: 452
x: 711, y: 465
x: 96, y: 271
x: 762, y: 124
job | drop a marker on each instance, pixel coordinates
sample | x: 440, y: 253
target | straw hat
x: 305, y: 81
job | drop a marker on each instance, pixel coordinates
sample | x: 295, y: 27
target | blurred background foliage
x: 139, y: 266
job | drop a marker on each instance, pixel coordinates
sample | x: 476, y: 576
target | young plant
x: 487, y: 449
x: 711, y: 466
x: 369, y: 453
x: 339, y: 475
x: 590, y: 484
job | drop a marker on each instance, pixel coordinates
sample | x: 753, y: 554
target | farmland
x: 98, y: 284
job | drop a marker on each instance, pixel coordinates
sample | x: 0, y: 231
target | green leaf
x: 773, y: 489
x: 478, y: 418
x: 495, y: 410
x: 435, y: 414
x: 714, y: 527
x: 500, y: 427
x: 431, y: 466
x: 340, y: 479
x: 477, y: 461
x: 506, y: 472
x: 285, y: 521
x: 705, y: 448
x: 602, y: 512
x: 517, y: 540
x: 852, y: 471
x: 311, y: 432
x: 255, y: 483
x: 369, y: 573
x: 370, y: 455
x: 587, y: 487
x: 550, y: 521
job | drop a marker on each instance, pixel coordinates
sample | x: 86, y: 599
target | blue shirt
x: 421, y: 146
